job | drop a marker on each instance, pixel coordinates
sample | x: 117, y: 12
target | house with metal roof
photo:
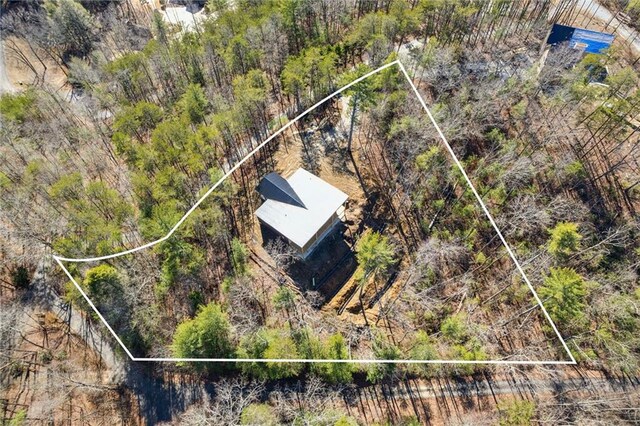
x: 302, y: 209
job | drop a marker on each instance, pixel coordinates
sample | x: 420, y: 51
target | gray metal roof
x: 275, y: 187
x: 299, y: 222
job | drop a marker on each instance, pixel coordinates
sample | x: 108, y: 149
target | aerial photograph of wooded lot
x: 319, y: 212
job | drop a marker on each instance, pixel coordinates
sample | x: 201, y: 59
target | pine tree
x: 194, y: 104
x: 563, y: 295
x: 565, y: 239
x: 375, y: 255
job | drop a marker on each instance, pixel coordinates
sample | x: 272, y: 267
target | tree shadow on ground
x: 162, y: 395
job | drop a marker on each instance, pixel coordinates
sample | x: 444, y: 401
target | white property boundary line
x: 572, y: 361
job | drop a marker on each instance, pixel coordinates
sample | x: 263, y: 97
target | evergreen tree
x: 239, y: 256
x: 270, y: 344
x: 102, y: 283
x: 73, y: 26
x: 194, y: 104
x: 565, y: 239
x: 563, y: 295
x: 336, y: 348
x: 208, y: 335
x: 375, y: 253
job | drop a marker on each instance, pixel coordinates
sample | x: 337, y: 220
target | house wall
x: 320, y: 234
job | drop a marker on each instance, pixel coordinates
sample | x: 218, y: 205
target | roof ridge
x: 275, y: 187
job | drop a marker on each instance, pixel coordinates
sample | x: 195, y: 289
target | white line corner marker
x: 60, y: 259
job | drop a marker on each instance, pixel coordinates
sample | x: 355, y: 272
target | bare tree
x: 308, y: 402
x: 247, y: 311
x: 283, y: 255
x: 231, y: 397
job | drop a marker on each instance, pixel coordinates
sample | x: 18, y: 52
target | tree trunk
x: 349, y: 142
x: 360, y: 294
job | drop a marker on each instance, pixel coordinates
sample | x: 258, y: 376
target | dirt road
x: 161, y: 395
x: 613, y: 24
x: 467, y: 400
x: 44, y: 296
x: 5, y: 84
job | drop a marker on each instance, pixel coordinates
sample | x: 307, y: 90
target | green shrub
x: 259, y: 414
x: 208, y: 335
x: 346, y: 421
x: 19, y: 418
x: 517, y: 413
x: 519, y: 110
x: 454, y: 329
x: 16, y: 107
x: 575, y: 171
x: 565, y: 239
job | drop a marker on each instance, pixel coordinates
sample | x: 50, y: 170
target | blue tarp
x: 593, y: 41
x: 578, y: 38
